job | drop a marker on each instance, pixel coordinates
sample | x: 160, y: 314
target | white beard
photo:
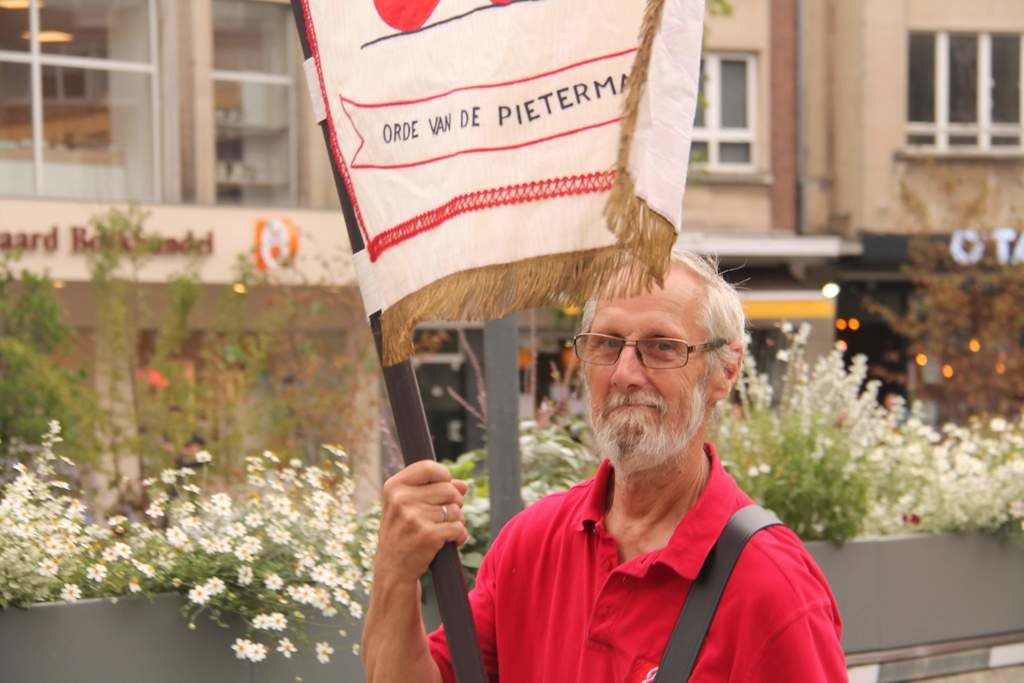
x: 638, y: 440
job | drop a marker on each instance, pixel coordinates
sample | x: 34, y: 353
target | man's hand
x: 422, y: 512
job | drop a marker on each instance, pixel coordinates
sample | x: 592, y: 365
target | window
x: 252, y: 92
x: 78, y: 115
x: 723, y: 136
x: 964, y: 91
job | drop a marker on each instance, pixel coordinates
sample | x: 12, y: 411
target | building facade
x: 195, y: 113
x: 829, y: 131
x: 836, y: 136
x: 913, y: 131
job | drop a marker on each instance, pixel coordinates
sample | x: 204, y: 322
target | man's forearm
x: 395, y: 645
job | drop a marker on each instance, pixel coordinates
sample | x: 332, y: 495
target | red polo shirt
x: 552, y: 602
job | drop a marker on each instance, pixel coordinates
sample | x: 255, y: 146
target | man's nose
x: 629, y: 371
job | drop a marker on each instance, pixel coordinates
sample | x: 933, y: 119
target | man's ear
x: 725, y: 375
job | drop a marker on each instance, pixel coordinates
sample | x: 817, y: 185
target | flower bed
x: 290, y: 549
x: 287, y: 550
x: 835, y: 464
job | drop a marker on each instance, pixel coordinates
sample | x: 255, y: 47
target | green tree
x: 268, y: 370
x: 36, y: 385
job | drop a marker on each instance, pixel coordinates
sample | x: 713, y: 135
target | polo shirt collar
x: 696, y: 533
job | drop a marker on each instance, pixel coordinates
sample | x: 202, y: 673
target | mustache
x: 619, y: 399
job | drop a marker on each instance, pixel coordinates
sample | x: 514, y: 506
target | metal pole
x: 415, y: 443
x: 501, y: 372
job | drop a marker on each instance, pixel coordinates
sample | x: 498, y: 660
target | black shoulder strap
x: 702, y: 601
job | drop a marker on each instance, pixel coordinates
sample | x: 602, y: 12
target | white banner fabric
x: 473, y: 134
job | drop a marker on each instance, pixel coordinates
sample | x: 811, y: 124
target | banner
x: 501, y: 154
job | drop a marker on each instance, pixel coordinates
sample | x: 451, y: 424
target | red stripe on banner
x: 486, y: 199
x: 339, y: 160
x: 485, y: 86
x: 473, y: 150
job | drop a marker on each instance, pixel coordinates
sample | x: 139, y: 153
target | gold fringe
x: 640, y: 230
x: 495, y: 291
x: 639, y: 260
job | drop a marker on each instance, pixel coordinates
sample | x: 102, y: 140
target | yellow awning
x: 789, y: 307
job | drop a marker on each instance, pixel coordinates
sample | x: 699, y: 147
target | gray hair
x: 720, y: 312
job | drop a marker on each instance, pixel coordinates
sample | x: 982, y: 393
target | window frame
x: 287, y: 79
x: 712, y: 133
x: 984, y: 130
x: 36, y: 59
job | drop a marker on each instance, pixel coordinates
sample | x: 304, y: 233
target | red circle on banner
x: 405, y: 15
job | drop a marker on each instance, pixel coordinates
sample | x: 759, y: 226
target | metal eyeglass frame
x: 690, y: 348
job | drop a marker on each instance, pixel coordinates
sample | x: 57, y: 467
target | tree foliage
x: 967, y: 322
x: 246, y: 367
x: 35, y: 385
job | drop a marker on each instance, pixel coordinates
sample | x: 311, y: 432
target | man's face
x: 644, y: 417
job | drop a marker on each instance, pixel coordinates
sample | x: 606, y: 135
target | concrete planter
x: 897, y: 592
x: 135, y: 639
x: 894, y: 592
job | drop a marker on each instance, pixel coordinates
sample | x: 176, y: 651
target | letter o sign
x: 966, y: 247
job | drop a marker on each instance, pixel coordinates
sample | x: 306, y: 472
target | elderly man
x: 587, y: 585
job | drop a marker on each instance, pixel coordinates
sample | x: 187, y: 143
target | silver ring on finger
x: 444, y: 514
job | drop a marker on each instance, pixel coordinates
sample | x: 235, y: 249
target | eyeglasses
x: 656, y: 353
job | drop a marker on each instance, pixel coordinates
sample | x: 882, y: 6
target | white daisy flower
x: 203, y: 457
x: 200, y: 595
x: 241, y: 647
x: 234, y: 530
x: 220, y: 504
x: 96, y: 572
x: 272, y: 622
x: 177, y: 538
x: 70, y: 592
x: 324, y: 652
x: 244, y: 575
x: 274, y: 582
x: 285, y: 647
x: 248, y: 548
x: 257, y: 652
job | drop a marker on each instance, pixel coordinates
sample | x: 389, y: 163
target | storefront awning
x: 787, y: 305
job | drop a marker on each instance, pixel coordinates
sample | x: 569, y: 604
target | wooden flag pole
x: 414, y: 440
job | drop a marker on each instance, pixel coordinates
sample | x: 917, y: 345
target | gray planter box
x: 914, y: 590
x: 134, y: 639
x: 893, y: 593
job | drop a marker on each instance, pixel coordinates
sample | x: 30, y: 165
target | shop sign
x: 969, y: 246
x: 277, y: 243
x: 82, y: 241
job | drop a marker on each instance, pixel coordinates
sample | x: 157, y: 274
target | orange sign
x: 277, y: 243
